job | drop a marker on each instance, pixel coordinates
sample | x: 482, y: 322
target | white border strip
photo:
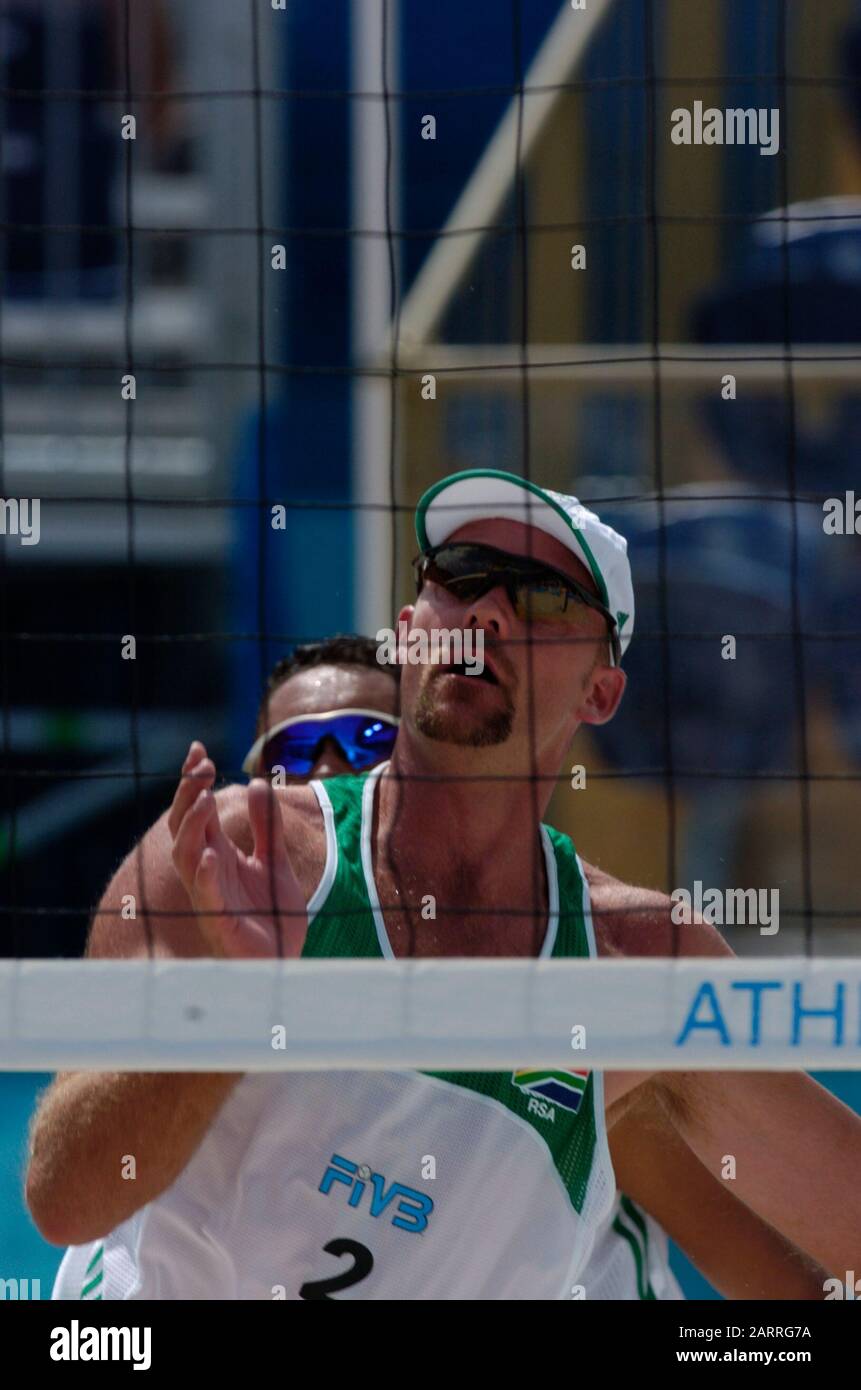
x: 465, y: 1014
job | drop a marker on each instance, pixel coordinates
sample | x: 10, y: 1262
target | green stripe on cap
x: 433, y: 492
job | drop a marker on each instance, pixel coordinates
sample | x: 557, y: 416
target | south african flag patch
x: 563, y: 1088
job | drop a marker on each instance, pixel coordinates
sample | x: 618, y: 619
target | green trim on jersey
x: 638, y: 1239
x: 91, y: 1284
x: 344, y: 926
x: 344, y: 923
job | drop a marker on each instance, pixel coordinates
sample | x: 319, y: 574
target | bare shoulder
x: 633, y: 921
x: 302, y: 822
x: 146, y: 911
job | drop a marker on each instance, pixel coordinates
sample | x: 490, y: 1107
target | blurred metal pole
x: 218, y: 42
x: 371, y: 302
x: 235, y: 266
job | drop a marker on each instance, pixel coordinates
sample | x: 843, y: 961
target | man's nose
x: 329, y: 760
x: 492, y: 611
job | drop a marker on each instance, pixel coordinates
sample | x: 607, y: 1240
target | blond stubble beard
x: 494, y: 729
x: 497, y: 726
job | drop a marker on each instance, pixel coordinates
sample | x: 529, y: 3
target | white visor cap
x: 482, y: 494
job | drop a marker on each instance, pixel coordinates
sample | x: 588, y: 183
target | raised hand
x: 245, y: 902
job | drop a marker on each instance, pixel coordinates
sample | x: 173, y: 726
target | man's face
x: 567, y: 673
x: 323, y: 688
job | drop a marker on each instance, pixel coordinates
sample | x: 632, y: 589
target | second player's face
x: 543, y: 682
x: 323, y: 688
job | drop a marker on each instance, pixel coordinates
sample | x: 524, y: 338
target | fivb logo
x: 26, y: 1289
x: 413, y: 1208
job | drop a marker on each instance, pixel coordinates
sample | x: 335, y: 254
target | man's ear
x: 405, y: 616
x: 602, y: 696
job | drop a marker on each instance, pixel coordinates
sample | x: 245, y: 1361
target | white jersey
x: 392, y: 1185
x: 257, y: 1215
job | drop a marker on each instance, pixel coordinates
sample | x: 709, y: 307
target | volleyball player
x: 516, y: 1208
x: 329, y: 708
x: 299, y: 737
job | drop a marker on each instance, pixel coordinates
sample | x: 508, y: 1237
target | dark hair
x: 344, y: 649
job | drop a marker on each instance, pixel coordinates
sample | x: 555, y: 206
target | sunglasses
x: 537, y: 592
x: 364, y: 738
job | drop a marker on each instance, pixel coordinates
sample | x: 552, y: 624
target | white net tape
x: 439, y: 1015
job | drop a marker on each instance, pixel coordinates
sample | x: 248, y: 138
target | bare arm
x: 87, y: 1122
x: 738, y: 1252
x: 796, y: 1147
x: 86, y: 1127
x: 797, y: 1152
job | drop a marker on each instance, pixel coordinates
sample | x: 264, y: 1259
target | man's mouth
x: 471, y: 672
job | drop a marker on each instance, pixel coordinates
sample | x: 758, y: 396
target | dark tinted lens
x: 537, y: 594
x: 363, y: 741
x: 370, y: 742
x: 293, y: 750
x: 545, y: 600
x: 462, y: 570
x: 463, y: 580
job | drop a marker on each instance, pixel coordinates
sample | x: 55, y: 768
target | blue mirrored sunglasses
x: 364, y: 737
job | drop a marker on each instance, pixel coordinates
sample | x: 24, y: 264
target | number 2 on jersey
x: 360, y: 1269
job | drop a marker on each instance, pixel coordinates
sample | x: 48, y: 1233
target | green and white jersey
x: 387, y: 1185
x: 630, y: 1258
